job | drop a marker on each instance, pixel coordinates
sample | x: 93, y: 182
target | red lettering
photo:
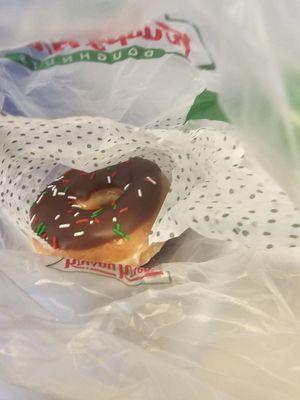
x: 147, y: 34
x: 96, y: 44
x: 61, y: 45
x: 176, y: 37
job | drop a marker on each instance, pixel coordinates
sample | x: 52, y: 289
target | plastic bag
x: 258, y: 59
x: 226, y: 328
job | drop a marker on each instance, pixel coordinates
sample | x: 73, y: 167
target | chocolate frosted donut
x: 105, y: 215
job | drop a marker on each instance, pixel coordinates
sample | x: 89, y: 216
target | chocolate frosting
x: 57, y: 218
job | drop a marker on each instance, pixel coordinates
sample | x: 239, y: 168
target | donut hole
x: 100, y: 198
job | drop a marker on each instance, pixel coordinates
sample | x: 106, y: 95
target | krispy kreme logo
x: 168, y: 36
x: 126, y: 273
x: 158, y: 33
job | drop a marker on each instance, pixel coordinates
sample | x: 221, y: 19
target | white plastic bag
x: 225, y: 328
x: 257, y: 54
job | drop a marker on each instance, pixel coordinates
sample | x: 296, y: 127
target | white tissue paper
x: 213, y: 190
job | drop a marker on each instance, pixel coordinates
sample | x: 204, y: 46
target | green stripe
x: 136, y: 52
x: 206, y: 106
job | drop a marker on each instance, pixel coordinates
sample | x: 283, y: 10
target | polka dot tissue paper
x: 214, y: 189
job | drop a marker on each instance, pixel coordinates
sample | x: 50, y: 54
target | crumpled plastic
x: 225, y: 328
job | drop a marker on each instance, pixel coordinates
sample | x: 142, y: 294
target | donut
x: 105, y: 215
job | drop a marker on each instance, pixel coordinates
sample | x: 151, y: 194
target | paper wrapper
x: 212, y: 190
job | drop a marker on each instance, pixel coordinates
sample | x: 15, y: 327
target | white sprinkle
x: 58, y: 215
x: 79, y: 233
x: 140, y: 193
x: 32, y: 218
x: 127, y: 186
x: 40, y: 198
x: 61, y: 193
x: 58, y: 179
x: 151, y: 180
x: 64, y: 226
x: 75, y: 215
x: 72, y: 197
x: 108, y: 179
x: 114, y: 219
x: 50, y: 186
x: 75, y: 206
x: 91, y: 222
x: 54, y: 192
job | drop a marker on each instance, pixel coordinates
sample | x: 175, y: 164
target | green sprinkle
x: 41, y: 229
x: 114, y: 206
x: 117, y: 231
x: 122, y: 234
x: 66, y: 188
x: 96, y: 213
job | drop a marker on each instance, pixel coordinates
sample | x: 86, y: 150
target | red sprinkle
x: 97, y: 220
x: 123, y: 210
x: 54, y: 242
x: 82, y: 221
x: 114, y: 174
x: 92, y: 176
x: 37, y: 218
x: 83, y: 173
x: 66, y: 180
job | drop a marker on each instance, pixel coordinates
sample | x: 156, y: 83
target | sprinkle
x: 54, y: 242
x: 64, y: 226
x: 91, y: 222
x: 75, y: 215
x: 66, y: 180
x: 140, y: 193
x: 58, y: 179
x: 54, y: 192
x: 114, y: 206
x: 127, y: 186
x: 41, y: 229
x: 114, y: 174
x: 82, y: 221
x: 58, y: 215
x: 61, y: 193
x: 150, y: 180
x: 66, y: 188
x: 32, y: 218
x: 123, y: 210
x: 75, y: 206
x: 80, y: 233
x: 83, y: 173
x: 114, y: 219
x: 97, y: 212
x: 72, y: 197
x: 97, y: 220
x: 92, y: 176
x: 50, y: 186
x: 117, y: 230
x: 108, y: 179
x: 40, y: 198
